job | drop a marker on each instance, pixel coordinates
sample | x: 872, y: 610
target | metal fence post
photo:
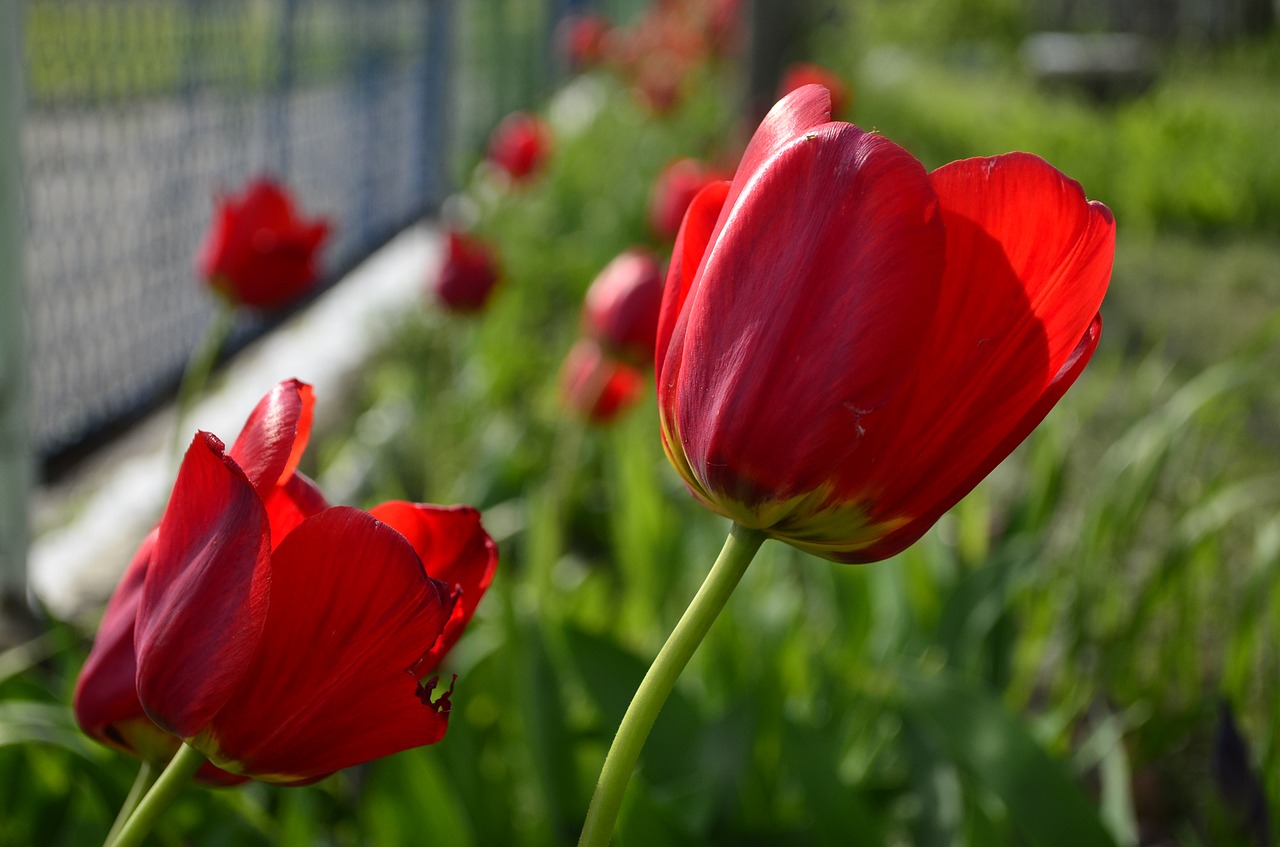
x: 15, y: 455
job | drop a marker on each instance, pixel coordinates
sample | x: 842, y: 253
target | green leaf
x: 995, y: 749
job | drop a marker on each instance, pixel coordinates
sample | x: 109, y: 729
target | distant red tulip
x: 596, y: 386
x: 674, y: 190
x: 807, y: 73
x: 520, y: 145
x: 622, y: 304
x: 849, y: 344
x: 467, y: 275
x: 283, y: 638
x: 581, y: 37
x: 258, y: 251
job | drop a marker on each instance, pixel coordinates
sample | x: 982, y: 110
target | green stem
x: 739, y: 549
x: 180, y: 770
x: 141, y: 784
x: 203, y: 360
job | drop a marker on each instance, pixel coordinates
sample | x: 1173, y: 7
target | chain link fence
x: 139, y: 112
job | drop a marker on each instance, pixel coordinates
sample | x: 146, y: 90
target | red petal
x: 1028, y: 261
x: 454, y: 549
x: 806, y: 315
x: 273, y: 438
x: 691, y: 246
x: 351, y: 612
x: 800, y: 111
x: 904, y: 537
x: 204, y: 601
x: 106, y: 695
x: 290, y: 504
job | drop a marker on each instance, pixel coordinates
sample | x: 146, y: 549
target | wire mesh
x: 139, y: 112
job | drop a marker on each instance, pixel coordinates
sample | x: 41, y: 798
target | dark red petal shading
x: 901, y: 539
x: 455, y: 549
x: 204, y: 600
x: 351, y: 612
x: 106, y: 692
x: 275, y: 435
x: 1028, y: 261
x: 686, y: 258
x: 807, y: 314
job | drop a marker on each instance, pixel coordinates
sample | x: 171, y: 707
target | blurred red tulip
x: 580, y: 38
x: 283, y: 638
x: 621, y: 308
x: 849, y: 344
x: 467, y: 275
x: 597, y: 386
x: 258, y: 251
x: 807, y: 73
x: 519, y: 145
x: 673, y: 191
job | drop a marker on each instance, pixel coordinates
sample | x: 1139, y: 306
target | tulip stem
x: 179, y: 771
x: 141, y: 784
x: 199, y: 368
x: 739, y: 549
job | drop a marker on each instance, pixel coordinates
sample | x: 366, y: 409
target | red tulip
x: 807, y: 73
x: 673, y: 191
x: 849, y: 344
x: 597, y: 386
x: 283, y: 638
x: 468, y: 274
x: 520, y: 145
x: 258, y: 251
x: 581, y: 37
x: 621, y: 308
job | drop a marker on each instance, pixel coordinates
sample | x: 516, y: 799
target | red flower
x: 258, y: 252
x: 468, y: 274
x: 284, y: 638
x: 849, y: 344
x: 596, y: 386
x: 807, y: 73
x: 520, y: 145
x: 673, y: 191
x: 581, y: 37
x: 621, y: 308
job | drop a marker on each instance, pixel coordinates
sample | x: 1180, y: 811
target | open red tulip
x: 848, y: 344
x: 259, y: 252
x: 622, y: 304
x: 286, y: 639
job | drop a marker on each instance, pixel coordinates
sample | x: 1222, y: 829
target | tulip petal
x: 800, y: 111
x: 292, y: 503
x: 1028, y: 261
x: 204, y: 599
x: 352, y: 611
x: 908, y: 534
x: 106, y: 697
x: 275, y: 435
x: 806, y: 315
x: 455, y: 549
x: 691, y: 245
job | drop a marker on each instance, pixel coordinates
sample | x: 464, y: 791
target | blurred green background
x: 1085, y: 651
